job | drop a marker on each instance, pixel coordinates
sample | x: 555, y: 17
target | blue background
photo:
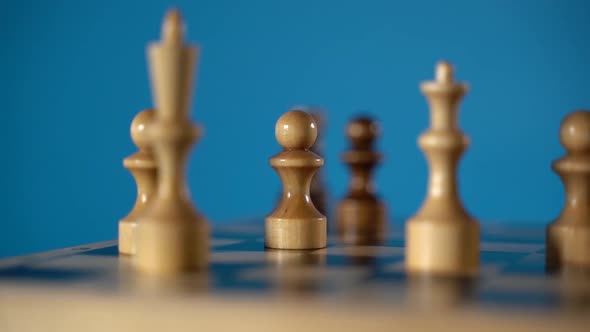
x: 73, y: 75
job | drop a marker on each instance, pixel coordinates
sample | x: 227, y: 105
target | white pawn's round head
x: 139, y: 128
x: 296, y: 130
x: 575, y: 132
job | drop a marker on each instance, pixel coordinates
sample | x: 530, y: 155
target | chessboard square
x: 376, y: 251
x: 238, y: 257
x: 242, y: 245
x: 510, y: 247
x: 221, y: 242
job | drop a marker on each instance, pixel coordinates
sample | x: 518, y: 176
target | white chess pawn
x: 568, y: 237
x: 296, y: 223
x: 143, y: 168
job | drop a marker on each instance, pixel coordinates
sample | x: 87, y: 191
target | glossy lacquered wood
x: 142, y: 166
x: 172, y: 236
x: 442, y: 238
x: 568, y: 236
x: 296, y: 223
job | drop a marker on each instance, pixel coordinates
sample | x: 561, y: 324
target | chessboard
x: 250, y: 288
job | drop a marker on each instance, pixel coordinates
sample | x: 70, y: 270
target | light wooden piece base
x: 169, y: 248
x: 295, y: 234
x: 127, y: 237
x: 568, y: 245
x: 445, y: 248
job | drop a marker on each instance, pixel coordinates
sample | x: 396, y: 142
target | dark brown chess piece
x: 361, y: 216
x: 319, y: 192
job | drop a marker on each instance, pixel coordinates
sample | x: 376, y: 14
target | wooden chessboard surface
x: 341, y: 287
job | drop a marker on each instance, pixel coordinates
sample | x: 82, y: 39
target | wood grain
x: 568, y: 236
x: 442, y: 238
x: 172, y: 236
x: 296, y: 223
x: 142, y: 166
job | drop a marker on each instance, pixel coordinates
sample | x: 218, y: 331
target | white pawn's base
x: 293, y: 233
x: 127, y: 237
x: 568, y: 245
x: 442, y: 247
